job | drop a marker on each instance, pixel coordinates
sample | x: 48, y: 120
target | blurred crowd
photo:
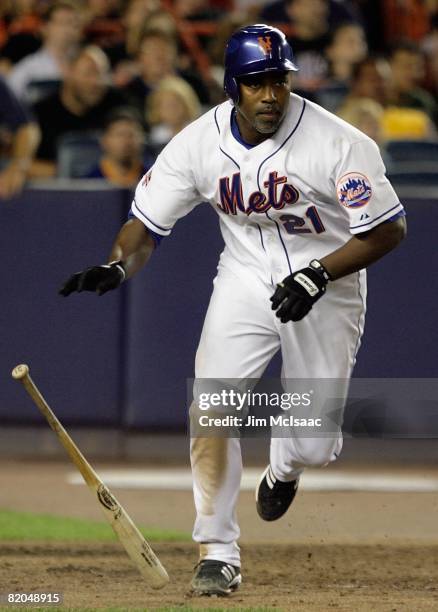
x: 95, y: 88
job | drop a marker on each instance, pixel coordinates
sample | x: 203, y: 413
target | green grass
x: 29, y: 526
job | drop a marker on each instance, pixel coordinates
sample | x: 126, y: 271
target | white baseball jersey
x: 298, y: 195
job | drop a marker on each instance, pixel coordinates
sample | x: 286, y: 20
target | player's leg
x: 237, y: 342
x: 321, y: 348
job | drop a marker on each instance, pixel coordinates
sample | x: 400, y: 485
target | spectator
x: 430, y: 48
x: 309, y: 39
x: 22, y: 135
x: 103, y: 24
x: 225, y: 28
x: 21, y: 26
x: 366, y: 115
x: 282, y: 11
x: 62, y: 33
x: 157, y: 59
x: 310, y: 23
x: 123, y: 55
x: 406, y: 19
x: 347, y: 47
x: 81, y: 104
x: 134, y: 21
x: 371, y: 79
x: 196, y: 10
x: 162, y: 21
x: 122, y: 142
x: 408, y: 70
x: 170, y: 108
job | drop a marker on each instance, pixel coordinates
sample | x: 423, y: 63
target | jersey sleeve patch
x: 354, y: 190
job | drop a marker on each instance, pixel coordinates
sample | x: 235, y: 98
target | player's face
x: 263, y: 103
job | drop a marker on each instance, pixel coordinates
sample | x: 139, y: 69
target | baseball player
x: 304, y: 207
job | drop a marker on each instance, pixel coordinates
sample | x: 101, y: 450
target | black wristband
x: 317, y: 266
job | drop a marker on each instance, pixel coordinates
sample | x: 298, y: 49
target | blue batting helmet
x: 253, y: 49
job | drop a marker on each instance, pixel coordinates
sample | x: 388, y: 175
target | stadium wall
x: 122, y: 360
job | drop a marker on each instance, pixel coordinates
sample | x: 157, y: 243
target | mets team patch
x: 354, y: 190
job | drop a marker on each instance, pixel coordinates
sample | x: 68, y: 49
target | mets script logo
x: 265, y: 43
x: 232, y: 201
x: 354, y: 190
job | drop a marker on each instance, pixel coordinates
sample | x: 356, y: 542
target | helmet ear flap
x: 235, y: 90
x: 231, y: 87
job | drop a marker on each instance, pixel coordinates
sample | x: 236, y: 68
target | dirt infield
x: 333, y: 550
x: 284, y: 577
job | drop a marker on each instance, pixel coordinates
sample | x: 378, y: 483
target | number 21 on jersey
x: 294, y: 224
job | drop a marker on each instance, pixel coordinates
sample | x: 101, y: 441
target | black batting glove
x: 296, y: 294
x: 98, y: 278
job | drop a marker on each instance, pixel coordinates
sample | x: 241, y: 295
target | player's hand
x: 296, y: 294
x: 98, y: 278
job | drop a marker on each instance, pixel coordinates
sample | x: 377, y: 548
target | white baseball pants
x: 240, y: 336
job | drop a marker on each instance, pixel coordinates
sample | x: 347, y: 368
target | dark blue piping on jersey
x: 263, y: 244
x: 220, y: 148
x: 215, y: 118
x: 261, y: 236
x: 401, y: 213
x: 234, y: 162
x: 282, y: 144
x: 236, y: 132
x: 258, y: 181
x: 163, y: 229
x: 376, y: 218
x: 281, y: 240
x: 157, y: 238
x: 258, y: 175
x: 229, y: 157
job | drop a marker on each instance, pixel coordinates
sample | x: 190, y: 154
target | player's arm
x: 364, y: 249
x: 133, y: 247
x: 130, y: 252
x: 154, y: 212
x: 296, y: 294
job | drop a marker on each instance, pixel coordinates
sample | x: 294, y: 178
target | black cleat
x: 274, y: 497
x: 215, y: 578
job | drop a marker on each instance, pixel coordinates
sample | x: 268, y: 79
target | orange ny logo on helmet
x: 265, y: 43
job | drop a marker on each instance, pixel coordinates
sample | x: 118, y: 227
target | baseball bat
x: 130, y: 537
